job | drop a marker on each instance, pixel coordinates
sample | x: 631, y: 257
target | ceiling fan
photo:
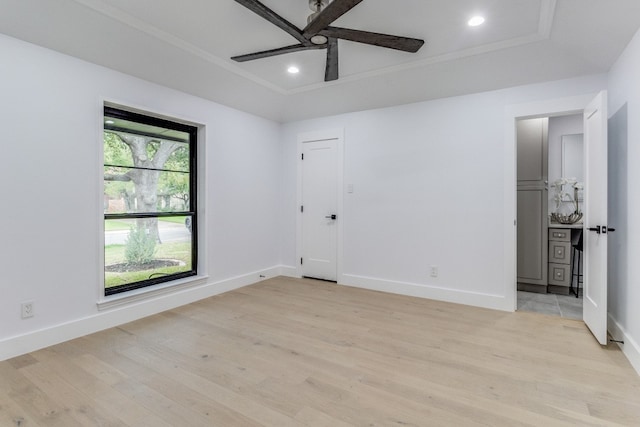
x: 319, y: 34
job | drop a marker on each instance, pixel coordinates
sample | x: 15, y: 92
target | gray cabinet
x: 560, y: 257
x: 532, y: 149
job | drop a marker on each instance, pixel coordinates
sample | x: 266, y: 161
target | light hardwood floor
x: 290, y: 352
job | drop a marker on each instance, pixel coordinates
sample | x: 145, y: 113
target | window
x: 150, y: 217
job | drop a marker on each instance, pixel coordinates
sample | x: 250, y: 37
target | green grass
x: 115, y: 225
x: 174, y: 219
x: 114, y: 254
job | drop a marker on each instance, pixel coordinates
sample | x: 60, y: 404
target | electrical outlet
x: 434, y: 271
x: 27, y: 309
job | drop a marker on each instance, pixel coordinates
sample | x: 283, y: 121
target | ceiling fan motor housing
x: 318, y: 5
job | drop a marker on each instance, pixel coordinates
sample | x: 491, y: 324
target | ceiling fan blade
x: 274, y: 52
x: 277, y: 20
x: 383, y: 40
x: 331, y: 70
x: 333, y: 11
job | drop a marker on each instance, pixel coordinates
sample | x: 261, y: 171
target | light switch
x: 349, y: 188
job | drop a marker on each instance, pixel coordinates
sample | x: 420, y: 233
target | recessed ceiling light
x: 109, y: 122
x: 293, y: 70
x: 475, y: 21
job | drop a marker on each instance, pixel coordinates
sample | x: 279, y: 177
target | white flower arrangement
x: 561, y: 196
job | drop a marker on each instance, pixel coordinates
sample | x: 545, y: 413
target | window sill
x: 147, y: 293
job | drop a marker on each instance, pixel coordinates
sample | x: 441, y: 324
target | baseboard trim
x: 476, y: 299
x: 630, y: 348
x: 32, y: 341
x: 120, y: 314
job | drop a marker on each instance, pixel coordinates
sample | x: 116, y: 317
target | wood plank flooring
x: 292, y: 352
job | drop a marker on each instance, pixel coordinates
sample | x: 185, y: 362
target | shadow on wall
x: 618, y: 280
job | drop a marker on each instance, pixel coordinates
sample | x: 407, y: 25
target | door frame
x: 547, y: 108
x: 336, y: 134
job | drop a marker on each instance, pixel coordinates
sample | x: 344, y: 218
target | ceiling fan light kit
x: 319, y: 34
x: 318, y: 39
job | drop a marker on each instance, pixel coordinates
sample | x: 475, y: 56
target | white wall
x: 428, y: 190
x: 624, y: 200
x: 51, y: 194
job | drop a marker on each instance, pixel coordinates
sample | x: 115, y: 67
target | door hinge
x: 301, y: 208
x: 300, y: 261
x: 302, y: 158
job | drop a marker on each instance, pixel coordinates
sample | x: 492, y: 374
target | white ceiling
x: 187, y: 44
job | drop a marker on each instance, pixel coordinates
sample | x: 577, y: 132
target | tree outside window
x: 149, y: 200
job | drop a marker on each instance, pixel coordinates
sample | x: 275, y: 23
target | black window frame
x: 119, y: 113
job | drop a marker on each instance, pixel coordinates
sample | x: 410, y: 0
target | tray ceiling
x: 186, y: 45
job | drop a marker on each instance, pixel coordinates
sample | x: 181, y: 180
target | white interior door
x: 595, y: 220
x: 319, y: 209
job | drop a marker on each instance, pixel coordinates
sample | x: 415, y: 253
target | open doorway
x: 595, y: 230
x: 550, y: 202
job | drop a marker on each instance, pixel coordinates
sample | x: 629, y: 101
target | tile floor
x: 567, y: 306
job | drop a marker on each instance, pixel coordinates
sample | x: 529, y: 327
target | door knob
x: 334, y: 216
x: 601, y: 229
